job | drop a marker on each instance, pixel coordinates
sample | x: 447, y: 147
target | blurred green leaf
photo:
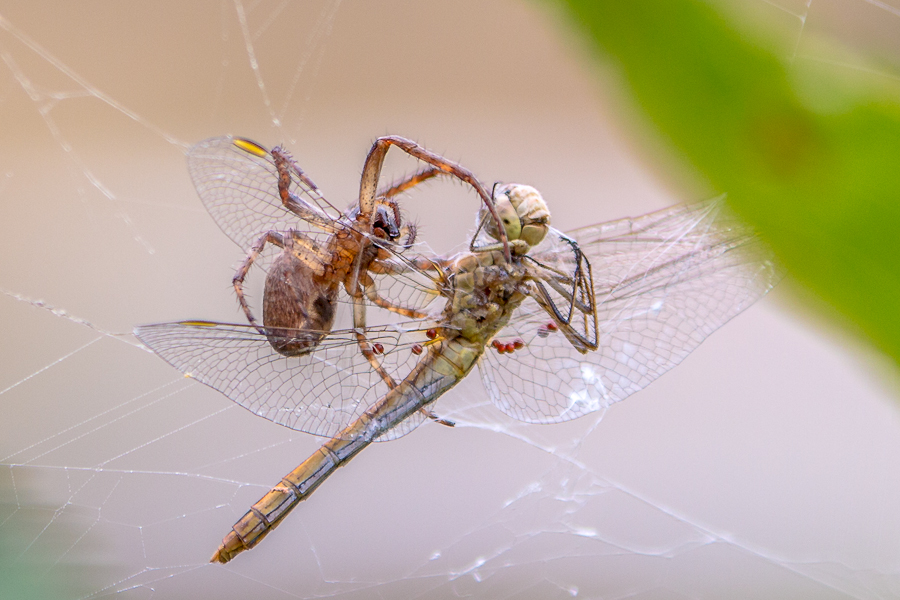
x: 36, y: 540
x: 810, y: 159
x: 22, y: 578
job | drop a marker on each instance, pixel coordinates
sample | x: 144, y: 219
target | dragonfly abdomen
x: 447, y: 362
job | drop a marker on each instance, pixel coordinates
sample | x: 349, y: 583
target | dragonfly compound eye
x: 522, y: 212
x: 531, y: 210
x: 508, y: 217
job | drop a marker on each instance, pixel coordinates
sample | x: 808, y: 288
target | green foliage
x: 21, y: 578
x: 809, y: 159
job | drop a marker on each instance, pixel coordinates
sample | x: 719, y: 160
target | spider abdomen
x: 298, y: 307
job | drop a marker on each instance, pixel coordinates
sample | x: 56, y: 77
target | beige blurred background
x: 764, y: 466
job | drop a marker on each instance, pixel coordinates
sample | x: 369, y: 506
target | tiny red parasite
x: 377, y: 348
x: 431, y: 334
x: 417, y: 349
x: 551, y: 326
x: 518, y: 343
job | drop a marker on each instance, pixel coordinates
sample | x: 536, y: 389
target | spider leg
x: 410, y: 182
x: 286, y: 168
x: 375, y: 161
x: 373, y: 296
x: 359, y: 323
x: 409, y: 265
x: 271, y: 237
x: 302, y: 247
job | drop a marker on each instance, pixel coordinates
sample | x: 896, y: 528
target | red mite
x: 417, y: 349
x: 377, y: 348
x: 431, y: 334
x: 508, y: 347
x: 545, y: 330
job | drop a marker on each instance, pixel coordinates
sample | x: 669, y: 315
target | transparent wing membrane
x: 320, y: 393
x: 662, y: 283
x: 238, y: 184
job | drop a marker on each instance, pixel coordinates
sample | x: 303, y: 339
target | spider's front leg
x: 402, y: 265
x: 287, y: 169
x: 375, y: 161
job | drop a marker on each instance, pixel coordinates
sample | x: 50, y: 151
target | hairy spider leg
x: 371, y: 292
x: 359, y: 322
x: 375, y: 161
x: 299, y: 245
x: 410, y: 182
x: 286, y: 167
x: 269, y: 237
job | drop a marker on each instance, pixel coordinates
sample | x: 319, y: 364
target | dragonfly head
x: 522, y: 211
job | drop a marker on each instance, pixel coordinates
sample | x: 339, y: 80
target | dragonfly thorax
x: 486, y: 291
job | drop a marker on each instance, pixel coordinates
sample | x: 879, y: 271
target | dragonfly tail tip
x: 220, y: 556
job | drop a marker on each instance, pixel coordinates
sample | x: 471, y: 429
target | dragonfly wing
x: 662, y: 283
x: 238, y: 183
x: 320, y: 393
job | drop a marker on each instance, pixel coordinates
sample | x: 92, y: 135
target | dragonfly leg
x: 519, y: 247
x: 569, y: 293
x: 270, y: 237
x: 564, y: 322
x: 439, y: 420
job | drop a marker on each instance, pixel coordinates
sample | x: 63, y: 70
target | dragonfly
x: 560, y: 324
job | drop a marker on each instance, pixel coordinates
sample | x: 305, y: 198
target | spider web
x: 755, y: 469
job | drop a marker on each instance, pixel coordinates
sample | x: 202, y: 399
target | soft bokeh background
x: 808, y: 153
x: 762, y: 467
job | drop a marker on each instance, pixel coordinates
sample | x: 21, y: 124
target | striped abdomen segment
x: 445, y: 364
